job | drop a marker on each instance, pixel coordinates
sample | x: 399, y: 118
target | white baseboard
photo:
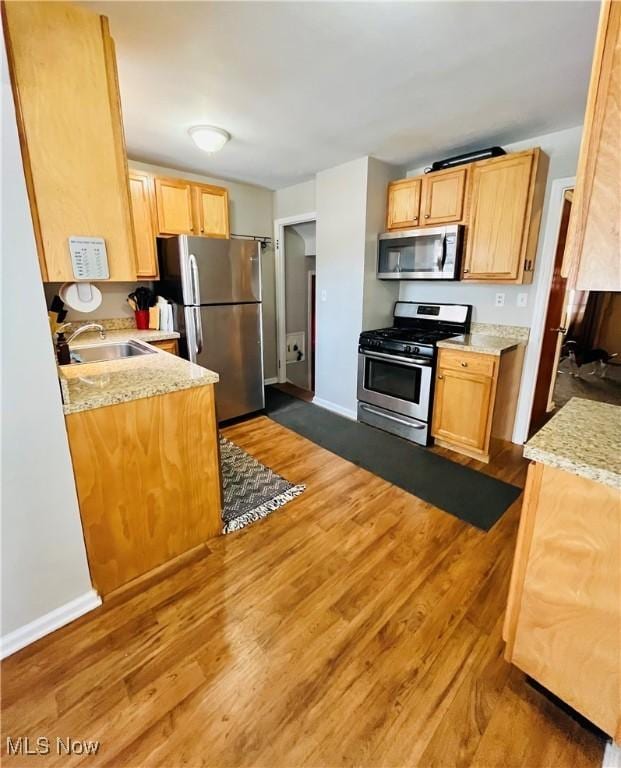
x: 273, y: 380
x: 47, y: 623
x: 612, y: 755
x: 335, y: 408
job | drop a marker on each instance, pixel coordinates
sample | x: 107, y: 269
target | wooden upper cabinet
x: 504, y: 217
x: 212, y: 210
x: 403, y: 204
x: 143, y: 213
x: 64, y: 81
x: 443, y: 195
x: 175, y: 211
x: 593, y: 251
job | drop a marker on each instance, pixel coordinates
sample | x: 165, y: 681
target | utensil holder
x: 142, y: 319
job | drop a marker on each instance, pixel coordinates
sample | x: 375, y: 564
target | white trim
x: 272, y: 380
x: 281, y: 306
x: 49, y: 622
x: 540, y: 308
x: 329, y: 406
x: 309, y: 327
x: 612, y: 755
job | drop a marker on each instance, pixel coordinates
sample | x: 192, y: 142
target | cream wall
x: 562, y: 147
x: 44, y: 566
x: 294, y: 200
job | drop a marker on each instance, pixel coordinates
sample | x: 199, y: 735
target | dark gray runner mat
x: 471, y: 496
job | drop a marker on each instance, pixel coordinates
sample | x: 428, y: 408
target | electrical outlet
x: 500, y: 300
x: 522, y: 299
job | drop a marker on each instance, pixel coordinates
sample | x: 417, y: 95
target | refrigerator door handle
x: 196, y: 297
x: 198, y: 330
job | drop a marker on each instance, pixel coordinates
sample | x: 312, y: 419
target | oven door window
x: 393, y: 379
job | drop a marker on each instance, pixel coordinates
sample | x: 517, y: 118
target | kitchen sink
x: 98, y: 353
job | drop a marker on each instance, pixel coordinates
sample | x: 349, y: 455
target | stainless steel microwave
x: 429, y: 253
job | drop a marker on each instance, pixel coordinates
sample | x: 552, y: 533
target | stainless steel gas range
x: 396, y: 367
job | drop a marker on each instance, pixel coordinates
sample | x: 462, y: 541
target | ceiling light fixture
x: 209, y: 138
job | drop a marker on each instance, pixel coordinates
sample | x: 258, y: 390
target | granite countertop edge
x: 598, y: 474
x: 582, y: 438
x: 482, y: 343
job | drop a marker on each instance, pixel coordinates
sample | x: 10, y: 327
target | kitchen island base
x: 148, y: 480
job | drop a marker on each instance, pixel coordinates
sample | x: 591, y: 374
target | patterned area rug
x: 251, y: 490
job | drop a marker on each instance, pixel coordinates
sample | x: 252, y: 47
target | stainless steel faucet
x: 82, y: 329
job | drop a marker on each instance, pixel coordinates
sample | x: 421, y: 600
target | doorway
x: 296, y: 305
x: 581, y: 341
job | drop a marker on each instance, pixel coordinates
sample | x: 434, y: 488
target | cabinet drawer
x: 473, y: 362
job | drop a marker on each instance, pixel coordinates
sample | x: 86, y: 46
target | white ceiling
x: 306, y: 86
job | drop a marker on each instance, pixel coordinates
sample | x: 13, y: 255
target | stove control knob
x: 416, y: 350
x: 407, y: 349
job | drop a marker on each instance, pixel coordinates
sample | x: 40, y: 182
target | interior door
x: 500, y: 191
x: 232, y: 346
x: 553, y: 331
x: 228, y: 271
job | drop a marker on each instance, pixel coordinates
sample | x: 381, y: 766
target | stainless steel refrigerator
x: 216, y: 287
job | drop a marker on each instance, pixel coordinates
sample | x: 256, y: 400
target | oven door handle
x: 412, y: 362
x: 385, y: 415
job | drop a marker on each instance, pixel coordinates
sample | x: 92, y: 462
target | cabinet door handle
x: 464, y: 364
x: 440, y: 376
x: 427, y: 215
x: 466, y: 271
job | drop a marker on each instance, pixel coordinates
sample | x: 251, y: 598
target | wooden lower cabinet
x: 167, y: 345
x: 148, y: 480
x: 475, y: 399
x: 563, y: 620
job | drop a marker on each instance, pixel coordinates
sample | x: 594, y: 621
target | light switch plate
x: 522, y: 299
x: 89, y: 259
x: 324, y: 295
x: 500, y: 300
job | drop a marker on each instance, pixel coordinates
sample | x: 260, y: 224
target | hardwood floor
x: 356, y: 626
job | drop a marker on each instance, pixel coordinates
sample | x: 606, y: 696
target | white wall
x: 294, y: 200
x: 379, y: 295
x: 341, y: 203
x: 44, y: 562
x: 562, y: 147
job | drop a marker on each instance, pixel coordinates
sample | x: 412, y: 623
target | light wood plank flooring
x: 357, y: 626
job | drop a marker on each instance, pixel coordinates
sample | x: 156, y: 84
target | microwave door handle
x: 196, y: 296
x: 442, y: 255
x: 198, y: 330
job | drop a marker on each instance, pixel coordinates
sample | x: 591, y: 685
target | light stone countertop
x: 479, y: 342
x: 95, y: 385
x: 90, y: 338
x: 583, y: 438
